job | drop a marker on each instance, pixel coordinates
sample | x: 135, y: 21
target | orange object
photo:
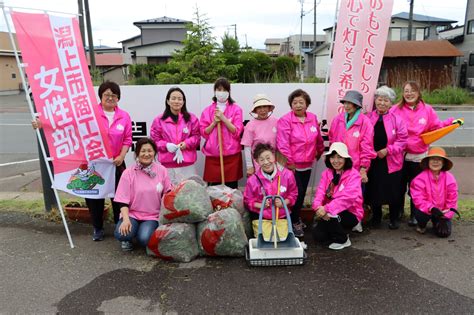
x: 432, y: 136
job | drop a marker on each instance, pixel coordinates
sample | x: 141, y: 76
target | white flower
x: 185, y: 130
x: 356, y: 134
x: 313, y: 129
x: 159, y: 187
x: 282, y: 189
x: 120, y: 127
x: 422, y: 121
x: 274, y: 129
x: 341, y: 187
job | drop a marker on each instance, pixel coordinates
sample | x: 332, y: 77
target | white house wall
x: 158, y: 50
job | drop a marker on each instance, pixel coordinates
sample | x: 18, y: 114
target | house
x: 290, y: 46
x: 430, y: 63
x: 111, y: 67
x: 10, y: 80
x: 157, y: 41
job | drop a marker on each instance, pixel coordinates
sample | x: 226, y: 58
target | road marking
x: 19, y: 162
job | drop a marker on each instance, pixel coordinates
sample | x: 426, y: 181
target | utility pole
x: 301, y: 42
x: 235, y: 30
x: 410, y: 20
x: 89, y: 34
x: 80, y: 5
x: 315, y: 38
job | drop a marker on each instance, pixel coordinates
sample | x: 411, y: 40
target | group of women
x: 372, y: 159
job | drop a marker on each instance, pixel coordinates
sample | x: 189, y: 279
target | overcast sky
x: 256, y: 20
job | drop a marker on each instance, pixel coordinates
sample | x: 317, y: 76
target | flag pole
x: 34, y: 115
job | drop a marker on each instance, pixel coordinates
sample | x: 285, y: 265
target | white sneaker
x: 358, y: 228
x: 338, y: 246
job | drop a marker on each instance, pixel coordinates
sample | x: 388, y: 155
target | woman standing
x: 139, y: 195
x: 260, y: 130
x: 176, y: 134
x: 338, y: 199
x: 299, y: 141
x: 390, y: 139
x: 419, y: 118
x: 228, y: 114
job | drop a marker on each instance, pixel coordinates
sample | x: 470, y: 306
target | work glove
x: 458, y: 121
x: 171, y: 147
x: 178, y: 157
x: 437, y: 212
x: 442, y: 228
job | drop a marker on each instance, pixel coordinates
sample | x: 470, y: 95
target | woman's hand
x: 278, y: 203
x: 363, y: 175
x: 125, y: 227
x: 119, y: 160
x: 218, y: 115
x: 36, y: 124
x: 182, y: 146
x: 382, y: 153
x: 250, y: 171
x: 320, y: 212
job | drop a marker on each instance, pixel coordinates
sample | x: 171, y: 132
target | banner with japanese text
x: 54, y: 60
x: 362, y: 29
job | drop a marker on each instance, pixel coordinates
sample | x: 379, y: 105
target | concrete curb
x: 449, y: 108
x: 459, y: 150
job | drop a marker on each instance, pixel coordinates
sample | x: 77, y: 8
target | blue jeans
x: 142, y: 230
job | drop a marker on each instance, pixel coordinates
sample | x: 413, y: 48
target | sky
x: 255, y: 20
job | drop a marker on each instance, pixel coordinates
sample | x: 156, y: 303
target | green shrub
x: 446, y: 95
x: 142, y: 81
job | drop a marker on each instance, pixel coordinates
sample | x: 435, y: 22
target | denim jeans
x: 142, y: 230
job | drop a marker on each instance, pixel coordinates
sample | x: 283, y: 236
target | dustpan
x: 432, y: 136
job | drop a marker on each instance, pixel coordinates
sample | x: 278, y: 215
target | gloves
x: 178, y: 157
x: 437, y: 212
x: 171, y: 147
x: 458, y: 121
x: 442, y: 228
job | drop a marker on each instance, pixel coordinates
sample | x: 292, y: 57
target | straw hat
x: 353, y: 97
x: 438, y: 152
x: 261, y: 100
x: 340, y: 148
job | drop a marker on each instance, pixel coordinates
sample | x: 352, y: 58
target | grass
x: 446, y: 96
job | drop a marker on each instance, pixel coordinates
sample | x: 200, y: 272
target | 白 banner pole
x: 34, y: 115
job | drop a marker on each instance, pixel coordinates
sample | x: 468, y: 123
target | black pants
x: 423, y: 219
x: 233, y: 185
x: 96, y: 206
x: 394, y: 210
x: 334, y: 230
x: 409, y: 171
x: 302, y: 180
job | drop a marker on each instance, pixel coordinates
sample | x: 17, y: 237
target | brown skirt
x: 232, y: 168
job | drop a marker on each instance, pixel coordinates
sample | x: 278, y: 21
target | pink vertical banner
x: 51, y: 48
x: 362, y: 29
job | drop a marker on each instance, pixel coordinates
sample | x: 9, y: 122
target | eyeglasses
x: 112, y: 96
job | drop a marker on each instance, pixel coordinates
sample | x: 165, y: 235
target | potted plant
x: 78, y: 211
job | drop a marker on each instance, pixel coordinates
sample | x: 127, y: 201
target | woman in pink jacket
x: 435, y: 193
x: 299, y: 141
x: 338, y: 199
x: 354, y: 129
x: 228, y: 114
x: 419, y: 118
x: 176, y: 134
x: 265, y: 182
x: 139, y: 194
x: 390, y: 139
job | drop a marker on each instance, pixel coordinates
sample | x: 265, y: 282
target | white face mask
x: 222, y: 96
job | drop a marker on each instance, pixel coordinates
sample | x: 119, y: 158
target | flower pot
x: 80, y: 213
x: 307, y: 215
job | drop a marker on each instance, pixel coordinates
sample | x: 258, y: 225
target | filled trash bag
x: 188, y: 202
x: 222, y: 234
x: 174, y: 241
x: 223, y: 197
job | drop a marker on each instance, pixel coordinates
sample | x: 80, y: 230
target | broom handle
x: 221, y: 157
x: 277, y: 216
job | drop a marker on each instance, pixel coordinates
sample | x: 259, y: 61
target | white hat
x: 340, y: 148
x: 261, y: 100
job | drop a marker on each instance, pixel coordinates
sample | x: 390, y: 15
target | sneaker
x: 338, y: 246
x: 98, y: 235
x: 358, y: 228
x: 126, y: 246
x: 298, y: 229
x: 420, y: 229
x: 412, y: 221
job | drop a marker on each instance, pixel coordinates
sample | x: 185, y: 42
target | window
x: 471, y: 60
x: 470, y: 27
x: 427, y: 32
x: 13, y: 75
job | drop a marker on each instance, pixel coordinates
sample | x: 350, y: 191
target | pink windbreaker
x: 254, y: 193
x: 299, y: 142
x: 428, y: 192
x: 230, y: 141
x: 142, y: 193
x: 347, y: 194
x: 397, y: 137
x: 120, y: 131
x: 418, y: 121
x: 359, y: 139
x: 165, y: 131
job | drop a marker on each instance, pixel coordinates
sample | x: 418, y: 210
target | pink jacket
x: 397, y: 137
x: 359, y: 139
x: 254, y: 193
x: 120, y: 132
x: 230, y: 141
x: 299, y: 142
x: 347, y: 194
x: 419, y: 120
x: 428, y: 192
x: 165, y: 131
x: 142, y: 193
